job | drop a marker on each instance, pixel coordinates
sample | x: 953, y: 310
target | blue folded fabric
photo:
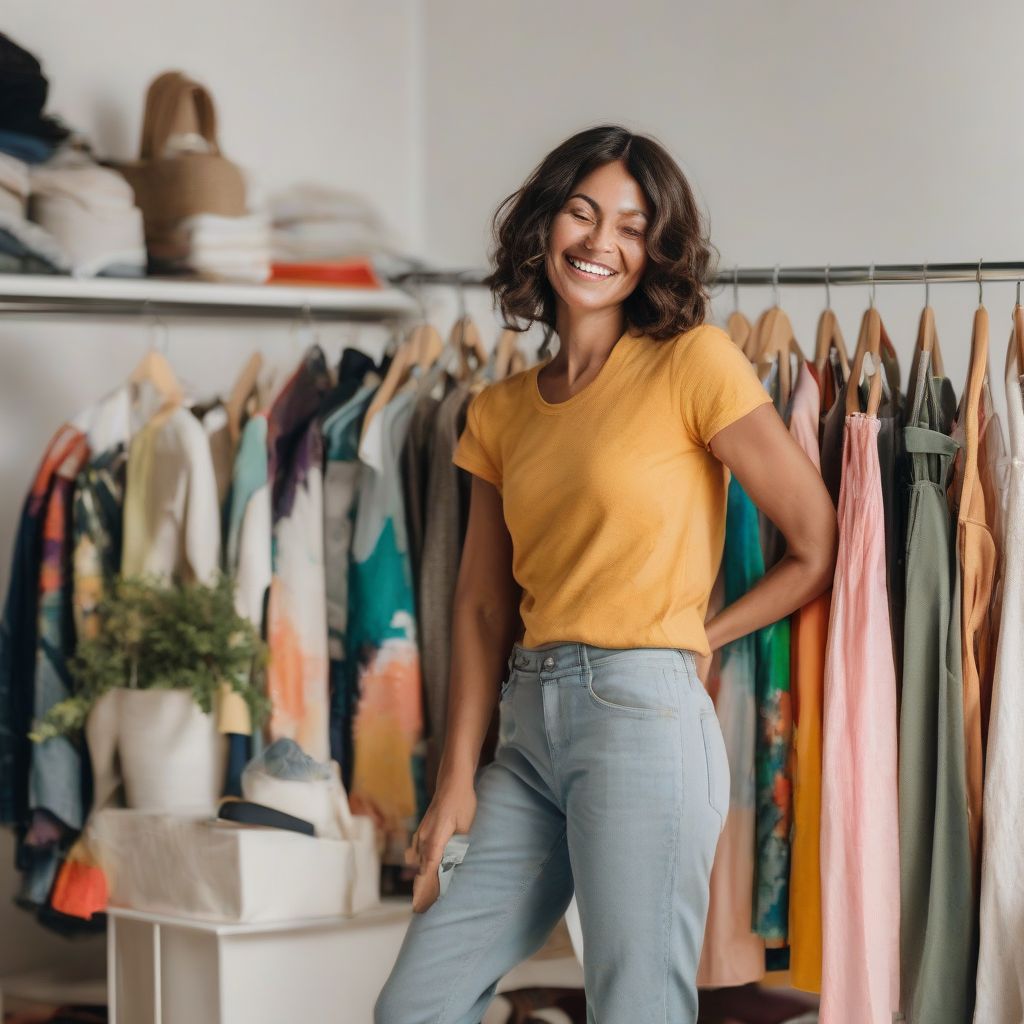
x: 30, y: 148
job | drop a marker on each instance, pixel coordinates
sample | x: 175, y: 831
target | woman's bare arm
x: 784, y: 484
x: 483, y: 629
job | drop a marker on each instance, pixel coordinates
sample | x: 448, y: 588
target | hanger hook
x: 461, y: 293
x: 1018, y: 291
x: 775, y: 285
x: 736, y: 288
x: 871, y: 281
x: 156, y: 327
x: 979, y: 284
x: 828, y: 288
x: 924, y: 274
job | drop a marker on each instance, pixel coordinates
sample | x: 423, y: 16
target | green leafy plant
x: 158, y: 636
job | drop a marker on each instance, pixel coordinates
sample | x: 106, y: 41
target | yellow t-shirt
x: 613, y: 499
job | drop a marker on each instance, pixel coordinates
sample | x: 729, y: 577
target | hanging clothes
x: 808, y: 640
x: 99, y: 497
x: 733, y: 953
x: 859, y: 825
x: 171, y: 511
x: 1000, y: 977
x: 297, y: 680
x: 415, y: 466
x: 832, y: 424
x: 247, y: 548
x: 978, y: 552
x: 341, y: 483
x: 891, y: 464
x: 388, y: 758
x: 448, y: 488
x: 19, y: 632
x: 936, y: 920
x: 774, y: 801
x: 56, y: 779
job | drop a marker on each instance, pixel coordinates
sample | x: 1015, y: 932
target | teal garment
x: 388, y: 749
x: 341, y: 430
x: 248, y: 476
x: 936, y: 914
x: 774, y: 807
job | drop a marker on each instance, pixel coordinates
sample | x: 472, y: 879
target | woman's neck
x: 585, y: 338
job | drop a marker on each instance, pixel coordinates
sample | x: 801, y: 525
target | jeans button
x: 549, y: 662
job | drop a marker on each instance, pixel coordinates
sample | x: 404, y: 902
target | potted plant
x: 147, y: 686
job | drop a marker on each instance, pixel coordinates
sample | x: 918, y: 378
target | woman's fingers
x: 426, y: 886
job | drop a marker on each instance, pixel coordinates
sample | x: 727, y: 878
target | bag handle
x: 176, y: 103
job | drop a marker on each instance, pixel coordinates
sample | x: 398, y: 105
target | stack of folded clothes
x: 317, y: 223
x: 60, y: 211
x: 215, y: 247
x: 91, y: 212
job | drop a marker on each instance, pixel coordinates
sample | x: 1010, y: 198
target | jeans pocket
x: 717, y: 761
x: 637, y: 690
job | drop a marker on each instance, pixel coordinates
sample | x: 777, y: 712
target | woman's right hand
x: 451, y: 810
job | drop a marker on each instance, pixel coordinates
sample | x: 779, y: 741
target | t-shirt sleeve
x: 475, y: 450
x: 717, y: 384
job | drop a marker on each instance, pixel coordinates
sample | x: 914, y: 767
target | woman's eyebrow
x: 597, y: 208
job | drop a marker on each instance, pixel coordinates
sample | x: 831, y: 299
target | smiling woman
x: 596, y: 530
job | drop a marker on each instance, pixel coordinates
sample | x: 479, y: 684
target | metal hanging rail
x: 879, y: 273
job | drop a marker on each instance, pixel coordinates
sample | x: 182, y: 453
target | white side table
x: 173, y: 970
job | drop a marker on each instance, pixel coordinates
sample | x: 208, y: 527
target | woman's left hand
x: 703, y: 663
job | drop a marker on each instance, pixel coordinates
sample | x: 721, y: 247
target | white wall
x: 841, y: 133
x: 321, y: 90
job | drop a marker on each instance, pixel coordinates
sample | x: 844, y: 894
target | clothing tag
x: 454, y: 851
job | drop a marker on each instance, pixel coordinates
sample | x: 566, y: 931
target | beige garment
x: 978, y: 518
x: 171, y: 513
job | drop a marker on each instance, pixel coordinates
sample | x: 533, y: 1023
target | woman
x: 597, y: 513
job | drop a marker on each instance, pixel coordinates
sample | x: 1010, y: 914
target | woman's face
x: 596, y: 254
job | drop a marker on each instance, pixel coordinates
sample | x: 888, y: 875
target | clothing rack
x: 878, y: 273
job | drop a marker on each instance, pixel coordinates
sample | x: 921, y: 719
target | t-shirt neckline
x: 603, y: 376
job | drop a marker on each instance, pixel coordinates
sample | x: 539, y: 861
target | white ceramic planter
x: 172, y: 757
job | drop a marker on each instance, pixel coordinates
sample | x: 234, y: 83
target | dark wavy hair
x: 671, y: 296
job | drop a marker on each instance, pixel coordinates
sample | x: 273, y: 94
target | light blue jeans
x: 610, y: 776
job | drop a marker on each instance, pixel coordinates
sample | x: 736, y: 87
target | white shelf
x: 33, y: 293
x: 390, y: 910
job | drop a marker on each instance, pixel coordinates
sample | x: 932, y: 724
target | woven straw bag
x: 171, y: 184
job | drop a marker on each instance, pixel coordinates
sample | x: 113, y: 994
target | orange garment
x: 808, y: 638
x: 977, y: 513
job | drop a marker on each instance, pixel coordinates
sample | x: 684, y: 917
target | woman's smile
x: 589, y: 270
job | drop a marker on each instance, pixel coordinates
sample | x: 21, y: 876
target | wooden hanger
x: 868, y: 342
x: 928, y: 341
x: 397, y: 374
x: 154, y: 369
x: 830, y: 337
x: 243, y: 390
x: 750, y: 346
x: 1018, y: 336
x: 505, y: 352
x: 776, y: 339
x: 738, y: 328
x: 465, y: 335
x: 518, y: 362
x: 427, y: 344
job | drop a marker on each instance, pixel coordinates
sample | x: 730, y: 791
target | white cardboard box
x: 215, y: 871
